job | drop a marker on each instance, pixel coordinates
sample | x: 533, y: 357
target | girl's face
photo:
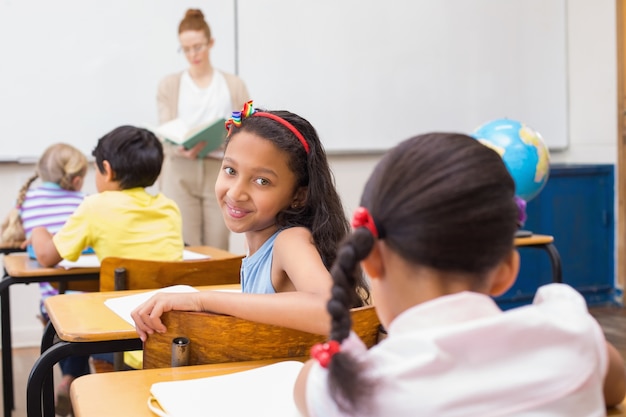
x: 254, y: 184
x: 195, y: 46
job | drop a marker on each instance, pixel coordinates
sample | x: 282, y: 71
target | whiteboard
x: 368, y: 74
x: 72, y: 70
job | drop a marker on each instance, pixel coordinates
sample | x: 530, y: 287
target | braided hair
x: 441, y: 200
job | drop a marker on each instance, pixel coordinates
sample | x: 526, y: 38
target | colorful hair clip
x: 363, y: 218
x: 324, y: 352
x: 247, y: 111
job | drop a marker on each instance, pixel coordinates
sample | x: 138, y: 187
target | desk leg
x: 42, y: 369
x: 555, y: 258
x: 7, y: 355
x: 47, y: 340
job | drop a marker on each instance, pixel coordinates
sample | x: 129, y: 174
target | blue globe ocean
x: 524, y: 152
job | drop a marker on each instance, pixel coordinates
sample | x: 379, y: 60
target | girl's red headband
x: 249, y: 110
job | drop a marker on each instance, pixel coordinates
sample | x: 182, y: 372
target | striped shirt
x: 49, y: 206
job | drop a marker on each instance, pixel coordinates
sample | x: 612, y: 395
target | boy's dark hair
x: 135, y: 155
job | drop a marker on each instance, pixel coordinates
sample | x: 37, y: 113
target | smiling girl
x: 276, y: 187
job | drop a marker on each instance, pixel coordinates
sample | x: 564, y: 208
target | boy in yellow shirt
x: 121, y: 220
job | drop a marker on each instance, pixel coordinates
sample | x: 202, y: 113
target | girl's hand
x: 147, y: 316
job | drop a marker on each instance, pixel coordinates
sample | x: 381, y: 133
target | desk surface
x: 620, y: 410
x: 126, y: 393
x: 534, y: 240
x: 19, y: 265
x: 85, y: 318
x: 6, y: 248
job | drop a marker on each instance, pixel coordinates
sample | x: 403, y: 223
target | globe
x: 523, y: 151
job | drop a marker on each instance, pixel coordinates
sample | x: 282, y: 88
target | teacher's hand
x: 191, y: 153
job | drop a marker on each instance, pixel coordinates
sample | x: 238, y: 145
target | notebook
x: 266, y: 391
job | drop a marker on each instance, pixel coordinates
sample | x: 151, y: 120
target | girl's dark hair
x: 440, y: 200
x: 321, y: 212
x: 134, y: 153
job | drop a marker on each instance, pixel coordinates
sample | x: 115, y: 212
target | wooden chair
x: 134, y: 274
x: 138, y: 274
x: 118, y: 274
x: 216, y: 338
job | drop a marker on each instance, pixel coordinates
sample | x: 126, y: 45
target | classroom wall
x: 592, y: 125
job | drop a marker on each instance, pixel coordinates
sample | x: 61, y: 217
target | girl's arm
x: 298, y: 274
x: 615, y: 379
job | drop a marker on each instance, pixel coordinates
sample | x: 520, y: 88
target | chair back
x: 216, y: 338
x: 134, y: 274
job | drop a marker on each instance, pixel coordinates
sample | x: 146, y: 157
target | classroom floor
x: 612, y: 319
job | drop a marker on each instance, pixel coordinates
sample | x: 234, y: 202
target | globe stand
x: 523, y: 233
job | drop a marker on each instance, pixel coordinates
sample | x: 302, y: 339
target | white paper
x: 123, y: 306
x: 189, y: 255
x: 174, y: 130
x: 83, y: 261
x: 91, y: 261
x: 265, y: 391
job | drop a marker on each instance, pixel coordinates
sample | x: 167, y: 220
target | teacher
x: 197, y: 95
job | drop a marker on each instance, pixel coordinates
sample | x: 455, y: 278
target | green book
x: 177, y: 132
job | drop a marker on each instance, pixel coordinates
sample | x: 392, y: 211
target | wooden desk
x: 546, y: 243
x: 619, y: 411
x: 20, y: 269
x: 84, y: 325
x: 6, y: 248
x: 126, y: 393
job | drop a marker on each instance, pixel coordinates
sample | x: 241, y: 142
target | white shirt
x: 203, y: 105
x: 460, y: 355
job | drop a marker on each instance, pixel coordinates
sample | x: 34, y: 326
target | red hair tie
x: 363, y: 218
x: 324, y: 352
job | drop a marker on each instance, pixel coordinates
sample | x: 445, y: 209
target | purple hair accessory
x: 521, y: 210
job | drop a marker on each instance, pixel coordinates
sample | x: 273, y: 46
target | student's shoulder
x: 104, y: 199
x: 293, y: 235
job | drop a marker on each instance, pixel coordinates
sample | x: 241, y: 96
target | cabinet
x: 576, y: 207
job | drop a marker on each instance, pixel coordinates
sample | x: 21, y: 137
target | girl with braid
x: 435, y: 233
x: 276, y: 187
x: 61, y: 169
